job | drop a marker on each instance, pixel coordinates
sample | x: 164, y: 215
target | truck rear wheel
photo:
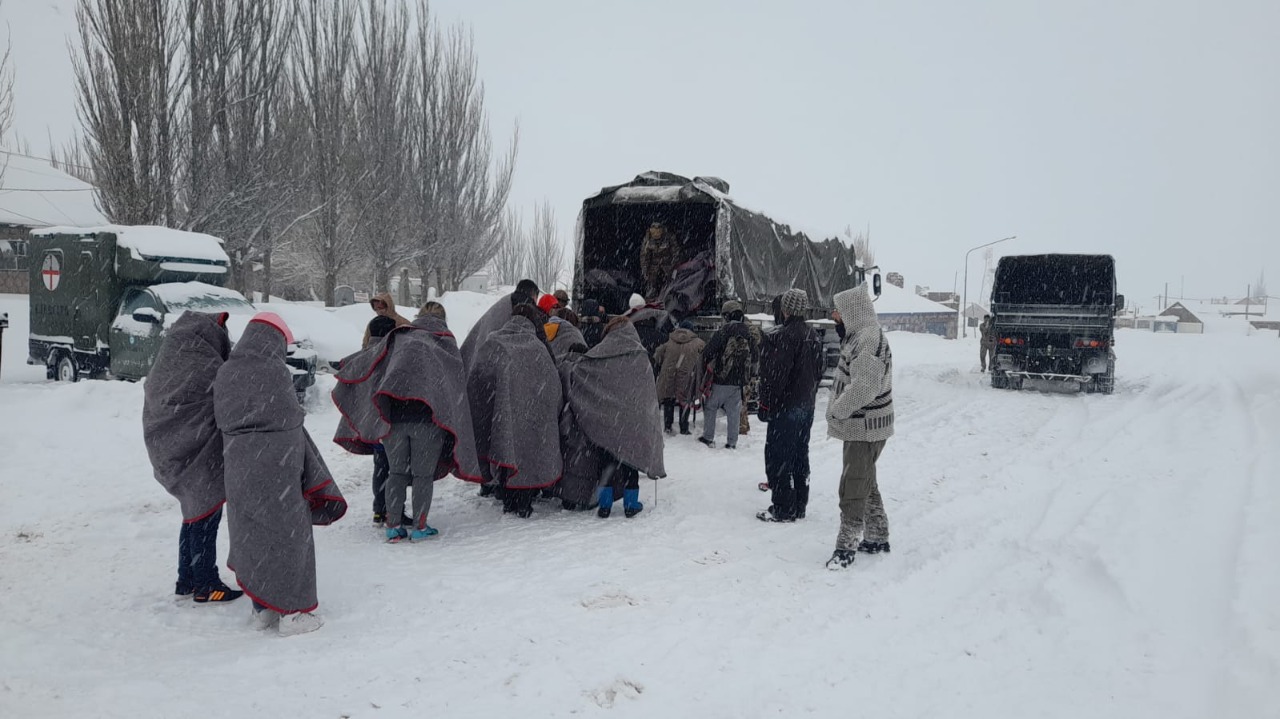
x: 65, y: 369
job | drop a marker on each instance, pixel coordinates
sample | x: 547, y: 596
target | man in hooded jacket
x: 790, y: 371
x: 860, y: 414
x: 409, y: 394
x: 679, y: 364
x: 383, y: 306
x: 514, y: 391
x: 185, y: 446
x: 277, y: 483
x: 609, y: 425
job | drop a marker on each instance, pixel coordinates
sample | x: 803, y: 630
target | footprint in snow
x: 610, y: 600
x: 621, y: 688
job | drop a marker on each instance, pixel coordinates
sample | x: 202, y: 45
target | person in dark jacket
x: 593, y: 319
x: 185, y: 446
x: 380, y: 327
x: 790, y: 371
x: 652, y: 323
x: 730, y: 356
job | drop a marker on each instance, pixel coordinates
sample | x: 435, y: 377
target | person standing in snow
x: 185, y: 447
x: 383, y: 306
x: 861, y: 415
x: 987, y: 343
x: 659, y: 255
x: 378, y: 328
x: 652, y: 324
x: 729, y: 357
x: 277, y: 483
x: 409, y: 394
x: 515, y: 395
x: 593, y: 319
x: 679, y: 363
x: 790, y: 370
x: 609, y: 425
x: 496, y: 317
x: 562, y: 300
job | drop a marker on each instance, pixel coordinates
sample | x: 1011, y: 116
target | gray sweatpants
x: 413, y: 452
x: 861, y: 508
x: 723, y: 397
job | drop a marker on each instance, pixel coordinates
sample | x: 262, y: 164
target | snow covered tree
x: 861, y: 244
x: 509, y: 263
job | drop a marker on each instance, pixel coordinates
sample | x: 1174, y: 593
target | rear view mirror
x: 1119, y: 302
x: 146, y: 314
x: 876, y: 285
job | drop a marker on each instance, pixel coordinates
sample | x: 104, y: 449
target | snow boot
x: 769, y: 516
x: 873, y: 547
x: 709, y: 442
x: 841, y: 559
x: 606, y: 502
x: 396, y: 534
x: 631, y: 505
x: 264, y: 618
x: 217, y: 593
x: 426, y: 532
x: 300, y: 623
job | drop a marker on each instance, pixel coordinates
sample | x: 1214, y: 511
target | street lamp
x: 964, y: 306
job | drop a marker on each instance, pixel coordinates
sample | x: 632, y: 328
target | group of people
x: 540, y: 400
x: 223, y: 426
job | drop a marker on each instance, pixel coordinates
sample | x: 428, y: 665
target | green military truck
x: 102, y: 297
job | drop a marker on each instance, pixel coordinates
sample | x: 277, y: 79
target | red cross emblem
x: 51, y: 271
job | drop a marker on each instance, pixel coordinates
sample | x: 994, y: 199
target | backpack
x: 735, y: 360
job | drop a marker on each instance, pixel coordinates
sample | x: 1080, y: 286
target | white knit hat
x: 636, y: 302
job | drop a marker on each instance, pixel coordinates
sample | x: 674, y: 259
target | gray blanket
x: 515, y: 397
x: 178, y: 430
x: 611, y: 409
x: 491, y: 321
x: 420, y: 362
x: 566, y: 337
x: 277, y: 482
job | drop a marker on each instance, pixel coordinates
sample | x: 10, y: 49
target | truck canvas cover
x: 1070, y: 280
x: 754, y: 258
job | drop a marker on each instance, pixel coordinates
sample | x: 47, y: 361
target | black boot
x: 873, y: 547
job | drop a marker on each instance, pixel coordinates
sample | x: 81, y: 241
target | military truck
x: 1053, y: 318
x: 727, y: 251
x: 102, y: 297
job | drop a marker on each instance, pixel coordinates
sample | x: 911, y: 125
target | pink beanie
x: 275, y: 320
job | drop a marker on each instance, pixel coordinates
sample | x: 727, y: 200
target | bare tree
x: 510, y: 261
x: 461, y: 192
x: 73, y: 159
x: 861, y: 243
x: 130, y: 91
x: 6, y: 94
x: 322, y: 84
x: 382, y: 104
x: 545, y: 250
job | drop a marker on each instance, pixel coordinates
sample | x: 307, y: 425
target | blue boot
x: 606, y: 503
x: 631, y: 505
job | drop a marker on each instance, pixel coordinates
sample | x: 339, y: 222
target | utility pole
x: 964, y: 306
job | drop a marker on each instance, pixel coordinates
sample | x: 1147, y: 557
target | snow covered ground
x: 1054, y: 556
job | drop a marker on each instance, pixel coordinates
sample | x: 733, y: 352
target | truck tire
x: 65, y: 369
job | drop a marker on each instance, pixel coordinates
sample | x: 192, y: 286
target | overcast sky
x: 1147, y: 129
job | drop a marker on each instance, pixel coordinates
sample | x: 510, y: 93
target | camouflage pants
x: 744, y: 423
x: 862, y: 513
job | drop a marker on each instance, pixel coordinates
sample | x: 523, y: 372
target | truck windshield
x: 200, y: 297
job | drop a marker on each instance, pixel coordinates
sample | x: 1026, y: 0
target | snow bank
x: 150, y: 241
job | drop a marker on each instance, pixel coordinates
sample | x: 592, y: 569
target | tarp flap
x: 1055, y: 280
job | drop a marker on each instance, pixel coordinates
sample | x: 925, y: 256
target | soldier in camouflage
x: 659, y: 255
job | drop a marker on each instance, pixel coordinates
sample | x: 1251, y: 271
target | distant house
x: 904, y: 311
x: 34, y: 195
x: 480, y: 282
x: 1185, y: 321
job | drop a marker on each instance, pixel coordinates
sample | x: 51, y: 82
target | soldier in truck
x: 659, y: 255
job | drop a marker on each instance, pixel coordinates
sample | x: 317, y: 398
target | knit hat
x: 547, y: 303
x: 636, y: 302
x: 795, y: 302
x: 730, y: 306
x: 276, y: 321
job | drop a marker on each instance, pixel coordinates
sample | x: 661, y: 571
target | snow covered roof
x: 152, y: 241
x: 1182, y: 313
x: 34, y: 194
x: 895, y: 300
